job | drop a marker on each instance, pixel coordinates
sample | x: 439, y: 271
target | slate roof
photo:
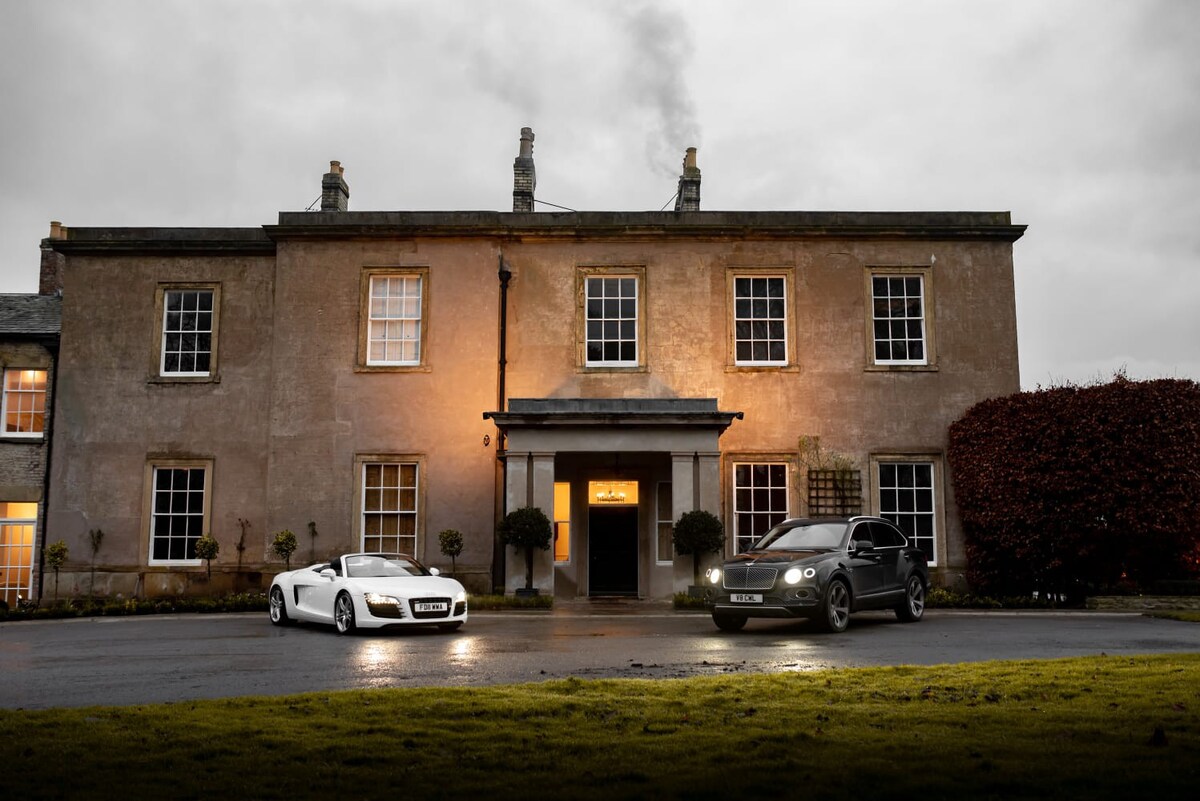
x: 39, y: 315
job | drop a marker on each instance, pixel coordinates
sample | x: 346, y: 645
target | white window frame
x: 742, y: 541
x: 169, y: 328
x: 905, y: 519
x: 189, y: 512
x: 907, y: 319
x: 661, y: 489
x: 23, y: 586
x: 626, y: 323
x: 405, y: 312
x: 21, y: 395
x: 753, y: 320
x: 380, y: 507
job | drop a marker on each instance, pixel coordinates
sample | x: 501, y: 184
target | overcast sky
x: 1081, y: 117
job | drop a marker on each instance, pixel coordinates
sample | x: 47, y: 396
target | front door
x: 613, y: 550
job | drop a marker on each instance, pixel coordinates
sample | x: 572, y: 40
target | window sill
x: 31, y: 439
x: 588, y: 368
x: 762, y: 368
x: 392, y: 368
x: 184, y: 379
x: 901, y: 368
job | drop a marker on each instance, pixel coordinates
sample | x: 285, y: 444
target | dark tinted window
x: 886, y: 536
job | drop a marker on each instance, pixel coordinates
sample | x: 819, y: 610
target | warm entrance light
x: 613, y: 493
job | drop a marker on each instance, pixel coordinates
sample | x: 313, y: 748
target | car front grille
x: 412, y: 602
x: 749, y: 577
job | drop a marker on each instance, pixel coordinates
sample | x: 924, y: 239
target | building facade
x: 369, y: 379
x: 29, y: 326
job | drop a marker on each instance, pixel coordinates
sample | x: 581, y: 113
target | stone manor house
x: 367, y: 379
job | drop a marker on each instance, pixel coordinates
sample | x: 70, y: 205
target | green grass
x: 1096, y: 728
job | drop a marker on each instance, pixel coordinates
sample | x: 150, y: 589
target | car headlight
x: 796, y: 574
x: 461, y: 597
x: 376, y: 598
x: 714, y: 575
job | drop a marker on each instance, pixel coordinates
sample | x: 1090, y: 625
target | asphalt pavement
x: 173, y: 658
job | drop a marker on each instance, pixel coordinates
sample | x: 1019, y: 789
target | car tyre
x: 343, y: 614
x: 278, y: 607
x: 835, y: 607
x: 455, y: 626
x: 912, y: 608
x: 729, y: 622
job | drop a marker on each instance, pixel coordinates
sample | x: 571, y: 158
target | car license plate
x: 427, y: 606
x: 745, y: 598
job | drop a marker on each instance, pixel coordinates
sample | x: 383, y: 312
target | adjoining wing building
x: 369, y: 379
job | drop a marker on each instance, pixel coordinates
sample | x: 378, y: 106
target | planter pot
x: 524, y: 593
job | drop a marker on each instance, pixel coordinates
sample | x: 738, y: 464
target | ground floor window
x: 562, y: 521
x: 178, y: 512
x: 665, y: 525
x: 389, y: 507
x: 18, y: 523
x: 760, y: 500
x: 906, y: 497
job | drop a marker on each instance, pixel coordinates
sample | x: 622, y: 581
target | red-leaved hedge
x: 1072, y: 489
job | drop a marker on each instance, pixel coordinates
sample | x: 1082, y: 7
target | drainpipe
x: 47, y: 439
x: 505, y: 275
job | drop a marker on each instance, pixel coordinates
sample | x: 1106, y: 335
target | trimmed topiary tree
x: 451, y: 544
x: 207, y: 549
x: 284, y: 545
x: 56, y: 557
x: 697, y: 533
x: 1074, y: 490
x: 525, y: 529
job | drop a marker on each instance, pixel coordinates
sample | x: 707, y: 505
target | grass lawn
x: 1086, y: 728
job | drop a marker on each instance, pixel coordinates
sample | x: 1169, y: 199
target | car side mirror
x: 328, y: 573
x: 433, y: 571
x: 858, y: 546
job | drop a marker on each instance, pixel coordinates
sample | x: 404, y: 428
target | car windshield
x: 802, y: 537
x: 383, y: 565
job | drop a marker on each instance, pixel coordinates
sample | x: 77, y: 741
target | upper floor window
x: 898, y: 319
x: 760, y: 501
x: 611, y: 317
x: 760, y: 320
x: 393, y: 318
x: 24, y: 403
x: 178, y: 511
x: 188, y: 318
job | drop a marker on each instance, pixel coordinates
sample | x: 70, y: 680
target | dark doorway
x: 613, y: 550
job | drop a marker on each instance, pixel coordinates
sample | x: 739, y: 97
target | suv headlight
x: 713, y: 574
x: 796, y: 574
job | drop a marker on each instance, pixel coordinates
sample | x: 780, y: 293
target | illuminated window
x: 24, y: 403
x: 562, y: 521
x: 665, y: 523
x: 18, y: 522
x: 759, y: 501
x: 389, y: 507
x: 178, y: 512
x: 394, y: 320
x: 188, y: 323
x: 613, y: 493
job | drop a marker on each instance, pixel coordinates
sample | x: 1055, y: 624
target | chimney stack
x: 335, y: 194
x: 50, y: 276
x: 524, y: 176
x: 688, y: 196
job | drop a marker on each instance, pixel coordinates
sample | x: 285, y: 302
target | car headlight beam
x: 376, y: 598
x: 714, y: 575
x: 797, y: 574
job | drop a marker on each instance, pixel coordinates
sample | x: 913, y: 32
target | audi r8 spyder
x: 821, y: 569
x: 368, y: 591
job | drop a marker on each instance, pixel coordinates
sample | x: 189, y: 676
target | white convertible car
x: 368, y: 591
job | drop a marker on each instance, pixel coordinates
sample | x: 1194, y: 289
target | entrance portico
x: 612, y: 474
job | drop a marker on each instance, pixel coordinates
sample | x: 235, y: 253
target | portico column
x: 530, y: 483
x: 683, y: 499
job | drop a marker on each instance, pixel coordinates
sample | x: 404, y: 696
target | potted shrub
x: 525, y: 529
x: 451, y: 544
x: 697, y: 533
x: 284, y: 545
x: 207, y: 549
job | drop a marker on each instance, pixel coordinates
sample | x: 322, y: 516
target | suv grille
x: 749, y: 577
